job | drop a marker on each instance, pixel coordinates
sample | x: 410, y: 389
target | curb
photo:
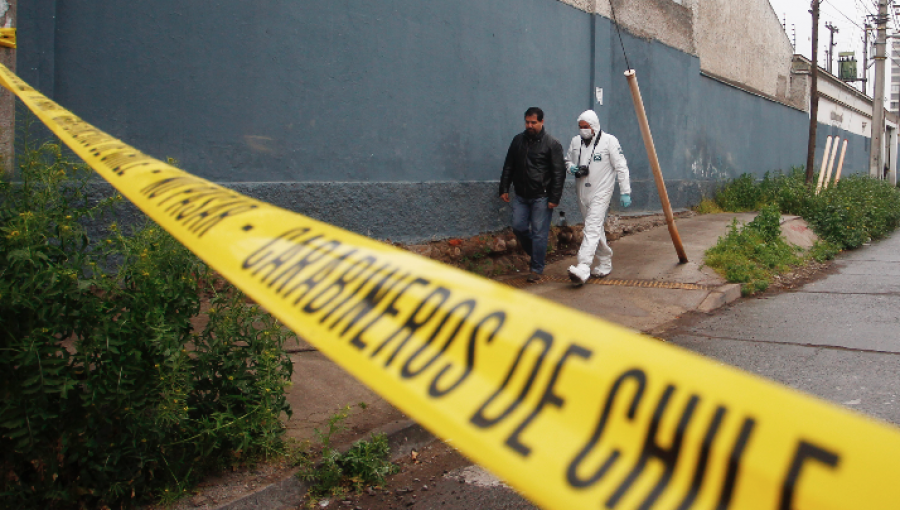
x: 720, y: 297
x: 289, y: 492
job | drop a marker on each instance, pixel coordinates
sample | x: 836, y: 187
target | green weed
x: 707, y: 206
x: 844, y: 216
x: 751, y: 254
x: 366, y: 463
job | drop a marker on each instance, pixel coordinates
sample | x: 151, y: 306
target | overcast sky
x: 847, y: 15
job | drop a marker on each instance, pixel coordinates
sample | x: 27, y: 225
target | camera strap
x: 596, y: 141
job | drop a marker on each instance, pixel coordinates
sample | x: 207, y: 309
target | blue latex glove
x: 573, y: 169
x: 626, y: 200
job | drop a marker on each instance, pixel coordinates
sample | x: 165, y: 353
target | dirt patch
x: 799, y: 277
x: 419, y: 473
x: 498, y: 254
x: 228, y: 486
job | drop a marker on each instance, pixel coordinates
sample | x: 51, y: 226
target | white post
x: 824, y: 161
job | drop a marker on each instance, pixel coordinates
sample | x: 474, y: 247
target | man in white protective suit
x: 596, y: 160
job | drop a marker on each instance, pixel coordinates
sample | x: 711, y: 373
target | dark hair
x: 534, y: 110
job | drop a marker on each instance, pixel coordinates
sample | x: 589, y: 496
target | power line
x: 859, y: 3
x: 844, y: 15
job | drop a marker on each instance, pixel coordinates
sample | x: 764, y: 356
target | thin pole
x: 824, y: 162
x: 831, y: 163
x: 826, y: 171
x: 876, y: 146
x: 654, y: 163
x: 837, y: 175
x: 865, y: 78
x: 813, y: 95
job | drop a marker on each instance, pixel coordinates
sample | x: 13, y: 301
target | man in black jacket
x: 535, y: 167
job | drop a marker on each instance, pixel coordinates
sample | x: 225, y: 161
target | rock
x: 612, y: 223
x: 512, y: 244
x: 198, y: 500
x: 577, y: 237
x: 424, y: 250
x: 499, y: 246
x: 454, y: 253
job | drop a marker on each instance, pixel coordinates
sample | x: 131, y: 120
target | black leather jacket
x: 535, y: 166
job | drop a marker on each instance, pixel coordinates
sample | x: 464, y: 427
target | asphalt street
x: 836, y: 338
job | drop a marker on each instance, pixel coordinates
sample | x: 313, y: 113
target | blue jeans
x: 531, y: 224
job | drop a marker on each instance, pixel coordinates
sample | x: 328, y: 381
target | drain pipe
x: 837, y: 175
x: 593, y: 68
x: 824, y: 161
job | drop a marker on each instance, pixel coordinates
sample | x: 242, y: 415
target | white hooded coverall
x: 606, y: 163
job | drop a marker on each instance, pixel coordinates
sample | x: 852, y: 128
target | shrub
x: 708, y: 206
x: 741, y: 194
x: 855, y: 211
x: 845, y: 215
x: 751, y: 254
x: 110, y: 395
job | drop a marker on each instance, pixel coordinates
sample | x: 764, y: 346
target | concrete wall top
x: 745, y: 42
x: 668, y: 21
x: 741, y: 41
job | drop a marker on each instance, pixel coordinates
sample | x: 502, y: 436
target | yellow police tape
x: 8, y: 37
x: 572, y: 411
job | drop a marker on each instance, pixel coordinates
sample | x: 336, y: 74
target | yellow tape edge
x: 8, y: 37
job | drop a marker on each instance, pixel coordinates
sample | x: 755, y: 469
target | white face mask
x: 587, y: 134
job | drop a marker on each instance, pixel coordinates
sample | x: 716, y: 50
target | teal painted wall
x: 389, y: 118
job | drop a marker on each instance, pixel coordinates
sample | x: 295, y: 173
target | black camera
x: 583, y: 171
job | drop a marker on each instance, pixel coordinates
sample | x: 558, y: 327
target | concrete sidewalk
x: 647, y: 289
x: 635, y: 294
x: 646, y: 258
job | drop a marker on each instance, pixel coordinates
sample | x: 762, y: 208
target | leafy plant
x: 751, y: 254
x: 366, y: 463
x: 846, y: 215
x: 111, y: 391
x: 707, y: 206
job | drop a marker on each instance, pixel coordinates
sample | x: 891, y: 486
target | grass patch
x: 707, y: 206
x: 366, y: 463
x: 752, y: 254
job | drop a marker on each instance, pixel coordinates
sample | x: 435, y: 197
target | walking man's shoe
x: 579, y: 274
x: 533, y: 278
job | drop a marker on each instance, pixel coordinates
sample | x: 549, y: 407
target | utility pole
x: 865, y: 66
x: 813, y: 94
x: 876, y: 146
x: 833, y: 29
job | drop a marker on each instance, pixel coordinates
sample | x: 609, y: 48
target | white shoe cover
x: 579, y: 274
x: 603, y: 269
